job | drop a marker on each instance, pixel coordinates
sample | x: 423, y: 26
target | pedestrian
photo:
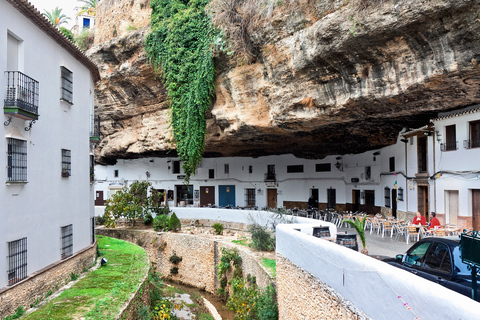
x: 311, y: 203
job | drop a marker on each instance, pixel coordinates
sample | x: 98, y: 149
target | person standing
x: 311, y: 202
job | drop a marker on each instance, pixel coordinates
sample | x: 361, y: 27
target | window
x: 368, y: 173
x: 67, y: 85
x: 115, y: 173
x: 211, y: 173
x: 391, y: 164
x: 323, y: 167
x: 86, y: 23
x: 250, y: 197
x: 270, y: 175
x: 176, y: 167
x: 66, y: 163
x: 16, y: 160
x: 295, y: 168
x: 450, y: 139
x: 387, y: 197
x: 370, y: 197
x: 227, y: 168
x: 92, y: 168
x: 474, y: 141
x: 438, y: 258
x: 67, y: 241
x: 250, y: 169
x: 400, y: 194
x: 17, y: 260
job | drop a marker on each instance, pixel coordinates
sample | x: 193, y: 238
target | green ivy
x: 180, y: 46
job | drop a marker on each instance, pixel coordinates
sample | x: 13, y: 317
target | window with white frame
x: 17, y: 260
x: 67, y: 85
x: 387, y: 197
x: 67, y: 241
x: 66, y: 163
x: 16, y: 160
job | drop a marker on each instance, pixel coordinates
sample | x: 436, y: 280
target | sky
x: 67, y: 6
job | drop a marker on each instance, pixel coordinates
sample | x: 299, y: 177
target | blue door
x: 226, y: 196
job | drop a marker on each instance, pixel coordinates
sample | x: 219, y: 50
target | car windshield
x: 416, y: 255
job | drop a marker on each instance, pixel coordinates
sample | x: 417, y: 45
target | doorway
x: 422, y: 154
x: 394, y: 202
x: 207, y: 196
x: 99, y: 200
x: 272, y: 198
x: 451, y: 206
x: 476, y: 209
x: 423, y: 201
x: 184, y: 195
x: 331, y: 198
x: 314, y: 194
x: 355, y: 200
x: 226, y: 196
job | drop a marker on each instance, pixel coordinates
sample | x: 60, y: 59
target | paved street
x: 383, y: 247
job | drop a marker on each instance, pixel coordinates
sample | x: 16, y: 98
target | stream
x: 218, y: 303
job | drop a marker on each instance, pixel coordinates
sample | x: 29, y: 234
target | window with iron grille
x: 295, y: 168
x: 16, y: 160
x: 387, y: 197
x: 66, y: 163
x: 67, y: 241
x: 400, y: 194
x: 211, y: 173
x: 250, y: 197
x: 67, y: 85
x: 227, y: 168
x: 17, y: 260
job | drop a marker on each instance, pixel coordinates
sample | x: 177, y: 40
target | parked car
x: 438, y: 260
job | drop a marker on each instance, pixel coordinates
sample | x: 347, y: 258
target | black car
x: 438, y: 260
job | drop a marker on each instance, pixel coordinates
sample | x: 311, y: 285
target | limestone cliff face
x: 313, y: 90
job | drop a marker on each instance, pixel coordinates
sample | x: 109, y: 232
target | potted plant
x: 359, y: 225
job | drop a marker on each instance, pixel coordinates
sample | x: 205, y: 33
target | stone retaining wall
x: 139, y: 299
x: 50, y: 278
x: 302, y: 296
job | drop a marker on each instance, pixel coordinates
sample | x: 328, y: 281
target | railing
x: 22, y: 92
x: 471, y: 143
x: 448, y: 146
x: 94, y: 127
x: 270, y: 177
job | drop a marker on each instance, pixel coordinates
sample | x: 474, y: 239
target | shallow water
x: 218, y: 303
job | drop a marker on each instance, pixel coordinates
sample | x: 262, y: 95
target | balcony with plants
x: 21, y: 99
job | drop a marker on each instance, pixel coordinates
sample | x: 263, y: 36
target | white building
x: 425, y: 170
x: 47, y: 91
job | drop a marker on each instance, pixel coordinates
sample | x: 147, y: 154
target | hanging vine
x: 180, y: 46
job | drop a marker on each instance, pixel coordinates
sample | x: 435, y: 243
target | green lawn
x: 271, y: 265
x: 102, y: 293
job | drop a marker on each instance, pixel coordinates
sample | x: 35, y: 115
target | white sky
x: 67, y: 6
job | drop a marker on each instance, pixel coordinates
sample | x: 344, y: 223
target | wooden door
x: 423, y: 201
x: 476, y: 209
x: 331, y: 198
x: 355, y: 200
x: 394, y: 203
x: 226, y: 195
x: 422, y: 154
x: 207, y: 196
x: 272, y: 198
x: 452, y: 206
x: 99, y: 200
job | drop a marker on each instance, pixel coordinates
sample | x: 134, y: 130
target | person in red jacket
x: 419, y: 219
x: 434, y: 222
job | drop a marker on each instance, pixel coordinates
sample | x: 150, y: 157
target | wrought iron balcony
x: 448, y: 146
x: 270, y: 177
x: 471, y: 143
x: 21, y: 99
x: 94, y: 128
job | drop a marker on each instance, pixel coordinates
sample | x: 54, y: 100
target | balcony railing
x: 471, y: 143
x: 95, y: 128
x: 448, y: 146
x: 270, y: 177
x: 21, y: 99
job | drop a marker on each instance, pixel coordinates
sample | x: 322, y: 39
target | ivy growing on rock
x: 180, y: 47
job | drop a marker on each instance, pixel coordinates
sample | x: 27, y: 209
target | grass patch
x: 271, y: 266
x: 102, y: 293
x: 242, y: 241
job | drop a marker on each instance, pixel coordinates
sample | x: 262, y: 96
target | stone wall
x: 50, y: 278
x: 139, y: 299
x: 302, y: 296
x: 117, y: 17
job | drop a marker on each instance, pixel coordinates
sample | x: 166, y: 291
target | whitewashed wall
x: 38, y: 209
x: 376, y: 288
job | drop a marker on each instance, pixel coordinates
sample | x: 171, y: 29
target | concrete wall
x: 52, y: 277
x: 38, y: 209
x: 381, y: 291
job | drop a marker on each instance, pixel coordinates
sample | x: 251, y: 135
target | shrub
x: 148, y: 219
x: 174, y: 258
x: 100, y: 220
x: 261, y: 239
x: 174, y: 270
x: 267, y: 306
x: 73, y: 276
x: 160, y: 223
x: 18, y: 313
x: 84, y: 40
x: 218, y: 228
x: 174, y: 224
x: 67, y: 33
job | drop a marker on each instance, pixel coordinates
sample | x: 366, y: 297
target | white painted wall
x: 38, y: 209
x: 376, y: 288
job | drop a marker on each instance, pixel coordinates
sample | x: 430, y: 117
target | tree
x: 56, y: 17
x: 89, y: 7
x: 131, y: 203
x: 67, y: 33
